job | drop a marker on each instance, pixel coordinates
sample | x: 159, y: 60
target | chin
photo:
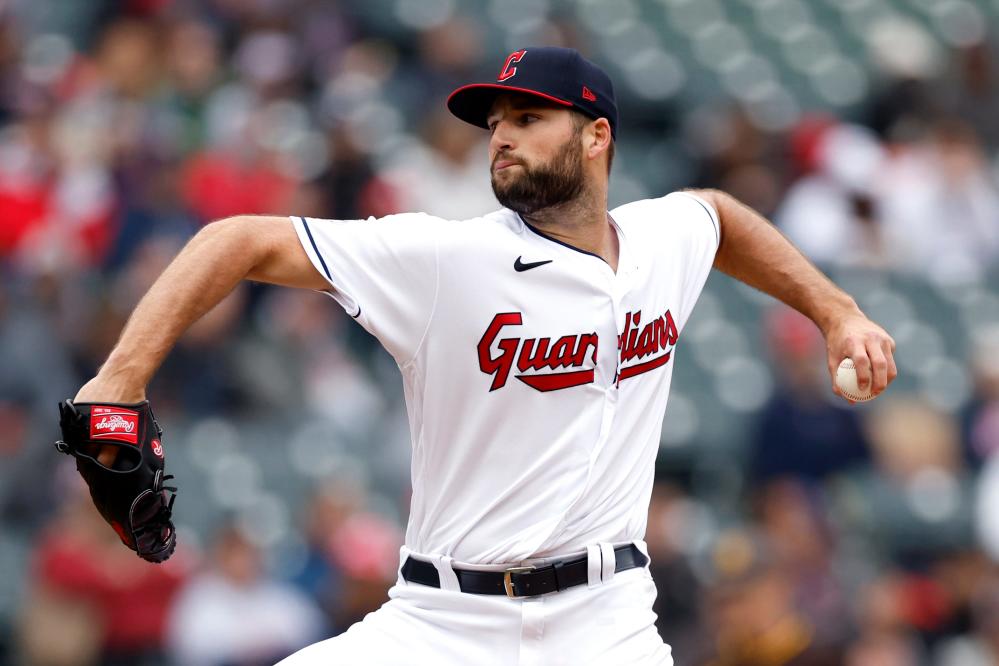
x: 501, y: 183
x: 505, y: 174
x: 502, y: 193
x: 511, y: 172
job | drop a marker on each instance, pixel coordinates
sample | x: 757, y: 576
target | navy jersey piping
x: 322, y: 261
x: 316, y: 250
x: 563, y: 243
x: 711, y: 218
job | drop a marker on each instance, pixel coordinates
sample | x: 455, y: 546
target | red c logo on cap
x: 508, y: 69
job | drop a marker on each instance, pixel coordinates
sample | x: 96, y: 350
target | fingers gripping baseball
x: 869, y: 347
x: 879, y: 365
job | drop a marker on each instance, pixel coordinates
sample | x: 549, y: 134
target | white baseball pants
x: 608, y: 621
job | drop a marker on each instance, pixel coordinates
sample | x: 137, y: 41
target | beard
x: 552, y: 183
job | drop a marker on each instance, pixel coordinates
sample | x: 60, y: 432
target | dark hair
x: 579, y: 119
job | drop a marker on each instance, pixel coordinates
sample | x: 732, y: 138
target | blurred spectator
x: 193, y: 60
x: 36, y: 368
x: 129, y: 56
x: 320, y: 574
x: 739, y: 157
x: 940, y: 204
x: 10, y: 80
x: 831, y: 212
x: 980, y: 420
x: 221, y: 183
x: 91, y: 599
x: 446, y: 173
x: 916, y: 502
x: 801, y: 432
x: 970, y: 90
x: 752, y: 609
x: 677, y: 522
x: 24, y: 182
x: 350, y: 187
x: 986, y: 520
x: 883, y: 650
x: 234, y: 615
x: 793, y: 516
x: 366, y: 549
x: 909, y: 62
x: 981, y: 646
x: 449, y: 53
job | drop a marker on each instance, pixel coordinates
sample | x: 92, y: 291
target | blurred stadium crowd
x: 785, y: 527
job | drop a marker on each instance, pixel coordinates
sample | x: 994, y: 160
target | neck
x: 582, y: 222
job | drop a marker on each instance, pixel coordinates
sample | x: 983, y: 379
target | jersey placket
x: 619, y: 287
x: 616, y: 287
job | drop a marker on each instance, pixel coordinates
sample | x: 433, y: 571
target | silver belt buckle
x: 508, y: 581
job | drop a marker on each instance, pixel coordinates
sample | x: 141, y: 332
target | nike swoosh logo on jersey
x: 520, y: 266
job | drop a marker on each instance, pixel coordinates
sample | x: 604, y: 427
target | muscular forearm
x: 753, y: 251
x: 205, y: 272
x: 265, y: 249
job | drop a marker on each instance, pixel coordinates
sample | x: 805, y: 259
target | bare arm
x: 753, y: 251
x: 265, y: 249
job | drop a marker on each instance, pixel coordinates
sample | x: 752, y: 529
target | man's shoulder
x: 501, y: 218
x: 470, y: 236
x: 501, y: 222
x: 422, y: 222
x: 655, y: 210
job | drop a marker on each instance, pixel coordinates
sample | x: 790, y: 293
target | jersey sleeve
x: 682, y: 230
x: 383, y: 272
x: 693, y: 233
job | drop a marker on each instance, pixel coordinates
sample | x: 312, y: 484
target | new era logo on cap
x: 561, y: 76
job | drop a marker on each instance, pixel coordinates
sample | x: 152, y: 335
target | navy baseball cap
x: 556, y: 74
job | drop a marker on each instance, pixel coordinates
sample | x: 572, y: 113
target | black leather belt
x: 519, y: 582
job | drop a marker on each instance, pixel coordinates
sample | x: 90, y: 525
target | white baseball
x: 846, y: 380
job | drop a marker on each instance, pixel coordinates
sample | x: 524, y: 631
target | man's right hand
x: 99, y: 389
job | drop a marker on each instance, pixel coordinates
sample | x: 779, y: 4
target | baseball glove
x: 129, y: 494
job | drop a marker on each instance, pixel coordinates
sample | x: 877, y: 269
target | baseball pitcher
x: 536, y: 345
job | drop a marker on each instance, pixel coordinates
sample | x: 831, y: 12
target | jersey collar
x: 625, y: 263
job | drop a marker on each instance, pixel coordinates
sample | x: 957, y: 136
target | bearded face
x: 528, y: 187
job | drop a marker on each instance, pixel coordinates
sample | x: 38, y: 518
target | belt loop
x: 403, y: 556
x: 449, y: 580
x: 556, y: 570
x: 593, y: 566
x: 643, y: 548
x: 608, y: 562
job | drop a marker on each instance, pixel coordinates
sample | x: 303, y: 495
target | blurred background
x: 786, y: 527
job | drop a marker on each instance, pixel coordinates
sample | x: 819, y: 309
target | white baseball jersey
x: 535, y: 376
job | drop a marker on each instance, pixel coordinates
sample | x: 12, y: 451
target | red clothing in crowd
x: 131, y: 597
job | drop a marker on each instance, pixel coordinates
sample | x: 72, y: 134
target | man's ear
x: 597, y: 137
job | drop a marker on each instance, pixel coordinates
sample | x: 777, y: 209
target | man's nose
x: 501, y: 140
